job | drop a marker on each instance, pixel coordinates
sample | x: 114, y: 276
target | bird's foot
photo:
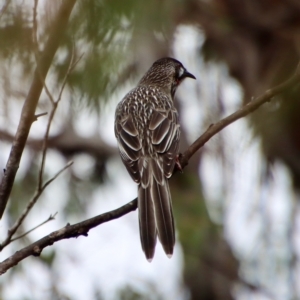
x: 177, y: 162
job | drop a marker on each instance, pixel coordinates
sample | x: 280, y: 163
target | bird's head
x: 167, y: 73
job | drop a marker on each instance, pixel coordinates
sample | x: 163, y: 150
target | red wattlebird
x: 148, y: 132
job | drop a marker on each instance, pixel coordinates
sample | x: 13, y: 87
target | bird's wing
x: 165, y: 133
x: 129, y: 145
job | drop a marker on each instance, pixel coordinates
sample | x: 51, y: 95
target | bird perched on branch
x: 148, y: 132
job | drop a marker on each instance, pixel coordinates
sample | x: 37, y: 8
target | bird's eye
x: 180, y: 72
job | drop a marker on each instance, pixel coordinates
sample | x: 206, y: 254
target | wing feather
x: 165, y: 133
x: 156, y: 119
x: 129, y: 145
x: 132, y: 142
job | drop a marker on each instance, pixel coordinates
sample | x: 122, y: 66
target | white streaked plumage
x: 147, y: 130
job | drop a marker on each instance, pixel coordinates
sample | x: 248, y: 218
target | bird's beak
x: 187, y: 74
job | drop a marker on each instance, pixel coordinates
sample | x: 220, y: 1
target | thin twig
x: 50, y: 218
x: 44, y: 147
x: 54, y: 103
x: 30, y: 204
x: 4, y: 8
x: 36, y: 50
x: 54, y: 106
x: 40, y: 115
x: 253, y: 105
x: 69, y: 231
x: 73, y: 62
x: 69, y: 164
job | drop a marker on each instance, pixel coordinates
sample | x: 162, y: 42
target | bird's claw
x: 177, y: 162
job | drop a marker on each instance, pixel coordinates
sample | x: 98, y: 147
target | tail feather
x: 163, y: 215
x: 155, y: 209
x: 147, y: 222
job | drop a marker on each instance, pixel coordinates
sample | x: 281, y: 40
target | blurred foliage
x: 49, y: 257
x: 15, y: 35
x: 129, y: 293
x: 100, y: 31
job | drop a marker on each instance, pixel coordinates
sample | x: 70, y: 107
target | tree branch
x: 82, y: 228
x: 50, y: 218
x: 28, y: 111
x: 52, y: 114
x: 69, y: 231
x: 251, y: 106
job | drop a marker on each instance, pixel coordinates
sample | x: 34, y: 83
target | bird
x: 148, y: 132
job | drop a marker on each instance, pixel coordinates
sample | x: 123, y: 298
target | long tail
x: 155, y: 213
x: 147, y: 222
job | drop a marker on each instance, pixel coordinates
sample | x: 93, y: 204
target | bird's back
x: 141, y: 107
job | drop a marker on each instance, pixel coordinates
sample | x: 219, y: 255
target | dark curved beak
x: 188, y: 74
